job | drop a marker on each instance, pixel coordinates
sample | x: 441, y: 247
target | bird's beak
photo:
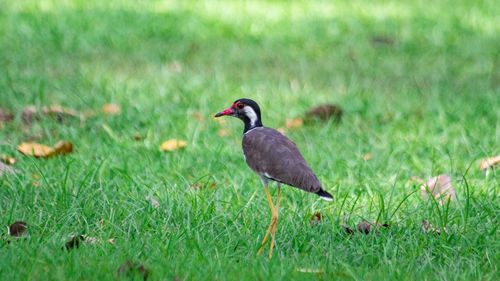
x: 228, y: 111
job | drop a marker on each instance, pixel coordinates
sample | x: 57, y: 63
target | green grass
x: 424, y: 105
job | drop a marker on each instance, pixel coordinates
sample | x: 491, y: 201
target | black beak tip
x: 218, y: 115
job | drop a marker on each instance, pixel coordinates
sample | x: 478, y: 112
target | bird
x: 274, y: 157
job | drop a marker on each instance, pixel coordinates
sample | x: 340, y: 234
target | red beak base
x: 228, y: 111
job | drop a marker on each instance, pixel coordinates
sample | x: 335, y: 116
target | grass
x: 419, y: 83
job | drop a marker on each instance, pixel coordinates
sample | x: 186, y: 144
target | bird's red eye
x: 240, y: 105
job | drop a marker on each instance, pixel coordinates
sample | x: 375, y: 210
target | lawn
x: 418, y: 81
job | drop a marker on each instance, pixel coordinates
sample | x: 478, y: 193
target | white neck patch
x: 250, y: 113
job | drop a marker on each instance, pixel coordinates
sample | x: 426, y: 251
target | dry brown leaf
x: 364, y: 227
x: 19, y: 229
x: 294, y: 123
x: 8, y: 160
x: 440, y: 187
x: 316, y: 218
x: 348, y: 230
x: 428, y: 228
x: 35, y: 149
x: 74, y: 242
x: 60, y: 112
x: 91, y: 240
x: 172, y: 145
x: 138, y: 137
x: 76, y: 239
x: 223, y: 133
x: 5, y: 116
x: 129, y: 269
x: 63, y: 148
x: 57, y: 109
x: 324, y: 112
x: 29, y: 115
x: 281, y: 130
x: 344, y: 225
x: 39, y: 150
x: 367, y: 156
x: 489, y: 162
x: 382, y: 40
x: 111, y: 109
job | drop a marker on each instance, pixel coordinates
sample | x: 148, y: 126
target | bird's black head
x: 246, y: 110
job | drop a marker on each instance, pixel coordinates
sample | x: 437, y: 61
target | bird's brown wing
x: 273, y: 155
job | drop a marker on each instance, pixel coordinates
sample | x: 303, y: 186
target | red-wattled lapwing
x: 274, y: 157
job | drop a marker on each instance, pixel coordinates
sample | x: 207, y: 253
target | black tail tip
x: 324, y: 195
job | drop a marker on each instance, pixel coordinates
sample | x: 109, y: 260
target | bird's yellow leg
x: 272, y: 220
x: 275, y: 217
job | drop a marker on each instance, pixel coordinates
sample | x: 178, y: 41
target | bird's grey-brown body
x: 272, y: 155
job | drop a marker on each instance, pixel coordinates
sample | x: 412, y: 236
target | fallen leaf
x: 294, y: 123
x: 63, y: 148
x: 8, y: 160
x: 74, y: 242
x: 324, y: 112
x: 4, y: 168
x: 172, y: 145
x: 138, y: 137
x: 60, y: 112
x: 153, y: 201
x: 39, y: 150
x: 130, y: 268
x: 440, y: 187
x: 19, y: 229
x: 111, y: 109
x: 344, y: 225
x: 382, y: 40
x: 316, y: 218
x: 428, y: 228
x: 364, y: 227
x: 35, y: 149
x: 223, y: 133
x: 5, y: 116
x: 367, y: 156
x: 29, y: 115
x: 281, y: 130
x: 91, y: 240
x: 489, y: 162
